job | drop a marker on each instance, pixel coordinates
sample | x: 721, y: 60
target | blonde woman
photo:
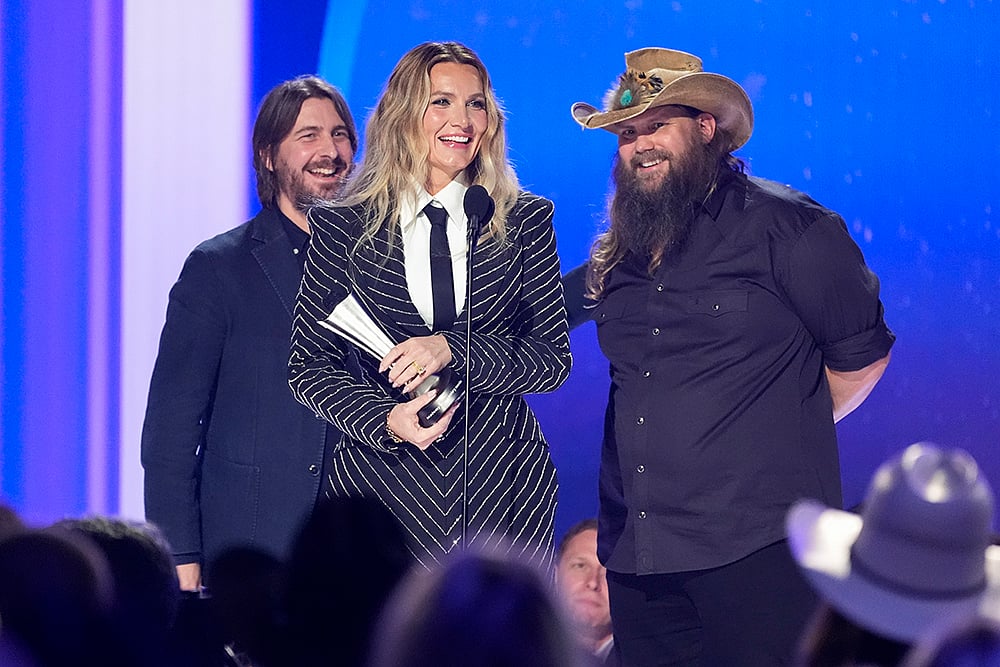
x: 437, y: 130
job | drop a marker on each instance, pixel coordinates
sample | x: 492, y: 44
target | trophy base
x: 447, y: 387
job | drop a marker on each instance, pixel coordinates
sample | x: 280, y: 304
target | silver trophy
x: 350, y: 321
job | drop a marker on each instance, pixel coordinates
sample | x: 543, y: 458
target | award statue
x: 350, y: 321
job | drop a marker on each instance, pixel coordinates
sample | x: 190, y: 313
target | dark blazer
x: 230, y: 457
x: 519, y: 345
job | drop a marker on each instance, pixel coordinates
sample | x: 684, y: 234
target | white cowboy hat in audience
x: 919, y: 554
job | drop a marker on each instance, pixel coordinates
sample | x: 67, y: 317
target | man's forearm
x: 849, y: 389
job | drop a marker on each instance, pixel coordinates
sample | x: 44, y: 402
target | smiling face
x: 454, y: 122
x: 314, y: 159
x: 582, y: 582
x: 658, y: 138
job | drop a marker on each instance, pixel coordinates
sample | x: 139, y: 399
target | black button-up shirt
x: 719, y: 415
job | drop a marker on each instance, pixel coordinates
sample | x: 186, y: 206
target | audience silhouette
x: 972, y: 642
x: 918, y: 555
x: 911, y: 580
x: 347, y: 559
x: 144, y: 580
x: 56, y: 595
x: 479, y: 609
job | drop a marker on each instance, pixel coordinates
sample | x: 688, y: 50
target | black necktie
x: 442, y: 283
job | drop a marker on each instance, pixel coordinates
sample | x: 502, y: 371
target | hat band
x: 910, y: 591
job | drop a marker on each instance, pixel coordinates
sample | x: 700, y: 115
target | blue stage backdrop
x: 886, y: 112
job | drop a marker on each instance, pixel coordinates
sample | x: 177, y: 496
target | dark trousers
x: 751, y: 612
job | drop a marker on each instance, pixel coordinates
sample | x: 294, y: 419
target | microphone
x: 479, y: 208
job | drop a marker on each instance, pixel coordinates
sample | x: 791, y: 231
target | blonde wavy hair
x: 396, y: 151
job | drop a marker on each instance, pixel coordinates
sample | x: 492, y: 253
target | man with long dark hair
x: 230, y: 458
x: 741, y: 323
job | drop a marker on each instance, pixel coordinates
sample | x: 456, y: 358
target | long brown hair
x: 396, y: 151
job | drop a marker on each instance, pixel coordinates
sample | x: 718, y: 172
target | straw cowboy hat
x: 656, y: 77
x: 919, y: 554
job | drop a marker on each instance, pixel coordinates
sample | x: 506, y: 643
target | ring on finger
x: 420, y: 369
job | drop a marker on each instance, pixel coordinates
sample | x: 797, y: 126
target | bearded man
x: 741, y: 323
x: 230, y: 457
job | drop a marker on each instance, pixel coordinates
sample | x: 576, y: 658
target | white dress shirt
x: 415, y: 229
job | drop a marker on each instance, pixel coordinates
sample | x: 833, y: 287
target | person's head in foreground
x: 918, y: 555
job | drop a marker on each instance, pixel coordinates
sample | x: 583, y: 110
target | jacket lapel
x: 273, y: 253
x: 382, y: 286
x: 383, y: 290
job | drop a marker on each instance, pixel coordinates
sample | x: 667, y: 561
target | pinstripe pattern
x: 519, y: 345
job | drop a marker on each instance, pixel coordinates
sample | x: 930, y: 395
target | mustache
x: 649, y: 156
x: 338, y: 164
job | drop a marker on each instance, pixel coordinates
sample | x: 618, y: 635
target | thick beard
x: 292, y: 183
x: 655, y: 223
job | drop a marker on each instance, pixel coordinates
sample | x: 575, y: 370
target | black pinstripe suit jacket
x: 519, y: 345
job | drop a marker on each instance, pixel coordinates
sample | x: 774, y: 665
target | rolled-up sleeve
x: 836, y: 295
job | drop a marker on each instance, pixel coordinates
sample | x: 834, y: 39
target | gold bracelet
x: 392, y: 434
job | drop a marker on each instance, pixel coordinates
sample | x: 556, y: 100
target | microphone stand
x: 474, y: 222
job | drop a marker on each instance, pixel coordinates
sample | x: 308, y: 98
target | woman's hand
x: 404, y: 422
x: 410, y: 361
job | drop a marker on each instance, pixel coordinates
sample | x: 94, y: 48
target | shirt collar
x: 451, y: 197
x: 727, y: 178
x: 726, y: 204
